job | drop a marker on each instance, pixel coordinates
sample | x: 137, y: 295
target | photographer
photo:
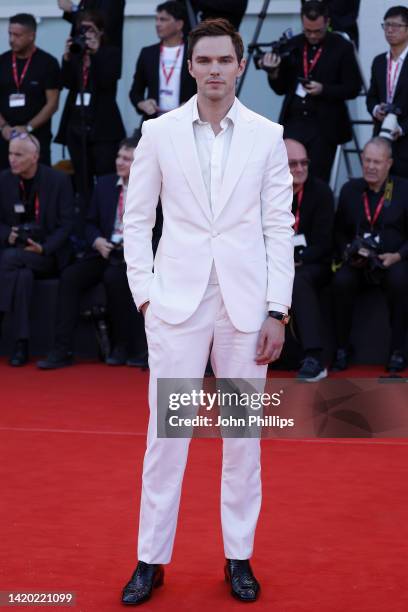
x: 343, y: 17
x: 388, y: 93
x: 103, y: 262
x: 29, y: 88
x: 91, y: 125
x: 316, y: 77
x: 36, y: 215
x: 233, y: 10
x: 313, y: 209
x: 371, y: 235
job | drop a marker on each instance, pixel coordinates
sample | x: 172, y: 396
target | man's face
x: 215, y: 66
x: 396, y: 31
x: 20, y: 37
x: 376, y: 164
x: 316, y: 30
x: 167, y: 26
x: 23, y: 155
x: 124, y: 161
x: 298, y: 161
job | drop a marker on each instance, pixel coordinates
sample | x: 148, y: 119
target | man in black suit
x: 41, y: 199
x: 162, y: 68
x: 343, y: 17
x: 374, y: 208
x: 103, y: 262
x: 317, y: 78
x: 313, y: 209
x: 389, y: 85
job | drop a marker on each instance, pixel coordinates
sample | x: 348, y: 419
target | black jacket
x: 233, y: 10
x: 344, y: 15
x: 147, y: 76
x: 377, y: 93
x: 316, y: 221
x: 56, y: 210
x: 337, y: 70
x: 392, y: 224
x: 113, y: 11
x: 103, y: 116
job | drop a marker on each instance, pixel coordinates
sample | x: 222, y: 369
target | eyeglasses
x: 24, y: 136
x: 303, y: 163
x: 390, y: 25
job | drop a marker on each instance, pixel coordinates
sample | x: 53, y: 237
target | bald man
x: 313, y: 208
x: 36, y: 217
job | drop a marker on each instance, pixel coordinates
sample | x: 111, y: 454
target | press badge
x: 16, y: 100
x: 299, y: 240
x: 87, y: 99
x: 376, y: 237
x: 301, y: 91
x: 19, y: 208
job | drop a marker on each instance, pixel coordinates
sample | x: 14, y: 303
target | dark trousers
x: 45, y: 154
x: 123, y: 314
x: 309, y: 278
x: 100, y: 160
x: 18, y: 269
x: 320, y: 150
x: 348, y: 282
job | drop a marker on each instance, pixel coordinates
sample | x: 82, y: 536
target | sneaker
x: 57, y: 358
x: 311, y: 370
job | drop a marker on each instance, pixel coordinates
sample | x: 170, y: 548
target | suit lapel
x: 402, y: 78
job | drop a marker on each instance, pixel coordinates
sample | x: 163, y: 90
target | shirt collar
x: 230, y: 117
x: 401, y: 58
x: 120, y: 183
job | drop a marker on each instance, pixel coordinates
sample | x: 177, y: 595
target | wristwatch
x: 29, y: 128
x: 279, y: 316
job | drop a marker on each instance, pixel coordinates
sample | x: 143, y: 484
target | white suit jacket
x: 248, y: 236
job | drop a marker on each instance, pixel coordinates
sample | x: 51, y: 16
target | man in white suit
x: 222, y: 278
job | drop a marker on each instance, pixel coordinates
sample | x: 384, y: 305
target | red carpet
x: 332, y: 537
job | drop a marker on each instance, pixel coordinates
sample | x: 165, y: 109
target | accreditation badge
x: 17, y: 100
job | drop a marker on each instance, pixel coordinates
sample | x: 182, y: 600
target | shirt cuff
x: 277, y: 307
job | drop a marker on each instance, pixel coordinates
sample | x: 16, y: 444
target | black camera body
x: 363, y: 253
x: 78, y: 45
x: 29, y: 231
x: 281, y: 47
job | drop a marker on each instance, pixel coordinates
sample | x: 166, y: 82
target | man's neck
x: 25, y: 53
x: 297, y: 187
x: 377, y: 186
x: 396, y: 50
x: 29, y: 173
x: 214, y: 112
x: 173, y: 41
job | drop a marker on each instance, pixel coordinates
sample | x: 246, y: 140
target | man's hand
x: 270, y: 62
x: 149, y: 106
x: 144, y: 308
x: 67, y: 49
x: 397, y: 133
x: 6, y: 132
x: 270, y: 341
x: 389, y: 259
x: 33, y: 247
x: 313, y: 88
x: 19, y: 129
x: 103, y: 247
x: 65, y: 5
x: 13, y: 235
x: 379, y: 112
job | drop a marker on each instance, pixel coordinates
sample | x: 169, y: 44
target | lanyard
x: 306, y: 68
x: 391, y: 84
x: 168, y: 75
x: 85, y: 72
x: 376, y: 212
x: 36, y: 202
x: 297, y: 214
x: 19, y: 81
x: 121, y: 204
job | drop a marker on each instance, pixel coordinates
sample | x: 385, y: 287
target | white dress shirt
x: 171, y: 62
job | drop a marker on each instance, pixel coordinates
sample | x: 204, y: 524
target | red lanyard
x: 391, y: 85
x: 18, y: 81
x: 85, y: 72
x: 377, y: 210
x: 36, y: 202
x: 121, y: 204
x: 168, y: 75
x: 297, y: 214
x: 306, y: 68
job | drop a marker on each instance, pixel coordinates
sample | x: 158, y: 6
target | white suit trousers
x: 181, y: 351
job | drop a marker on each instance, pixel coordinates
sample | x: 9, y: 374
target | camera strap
x: 307, y: 69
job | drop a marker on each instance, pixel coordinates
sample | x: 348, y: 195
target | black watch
x: 280, y: 316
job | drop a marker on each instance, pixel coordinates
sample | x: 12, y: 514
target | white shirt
x: 213, y: 151
x: 396, y: 66
x: 171, y: 58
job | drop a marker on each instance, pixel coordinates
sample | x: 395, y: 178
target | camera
x: 390, y: 122
x: 78, y: 45
x: 29, y: 231
x: 363, y: 253
x: 281, y: 47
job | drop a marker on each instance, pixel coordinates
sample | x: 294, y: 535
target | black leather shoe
x: 56, y: 359
x: 145, y: 578
x: 19, y: 356
x: 117, y: 357
x: 138, y: 361
x: 244, y: 585
x: 397, y: 362
x: 341, y: 360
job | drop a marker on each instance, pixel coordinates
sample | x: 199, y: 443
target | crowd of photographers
x: 70, y: 227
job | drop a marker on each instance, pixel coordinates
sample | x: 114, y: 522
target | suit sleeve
x: 373, y: 94
x: 140, y: 215
x: 322, y: 232
x: 341, y: 238
x: 65, y: 217
x: 137, y: 92
x: 277, y: 225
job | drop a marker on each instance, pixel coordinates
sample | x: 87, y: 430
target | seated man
x: 36, y: 217
x: 103, y: 262
x: 371, y: 234
x: 313, y: 207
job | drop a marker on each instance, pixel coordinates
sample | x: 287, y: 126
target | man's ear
x: 190, y: 68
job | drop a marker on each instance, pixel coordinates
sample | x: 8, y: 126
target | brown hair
x: 215, y: 27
